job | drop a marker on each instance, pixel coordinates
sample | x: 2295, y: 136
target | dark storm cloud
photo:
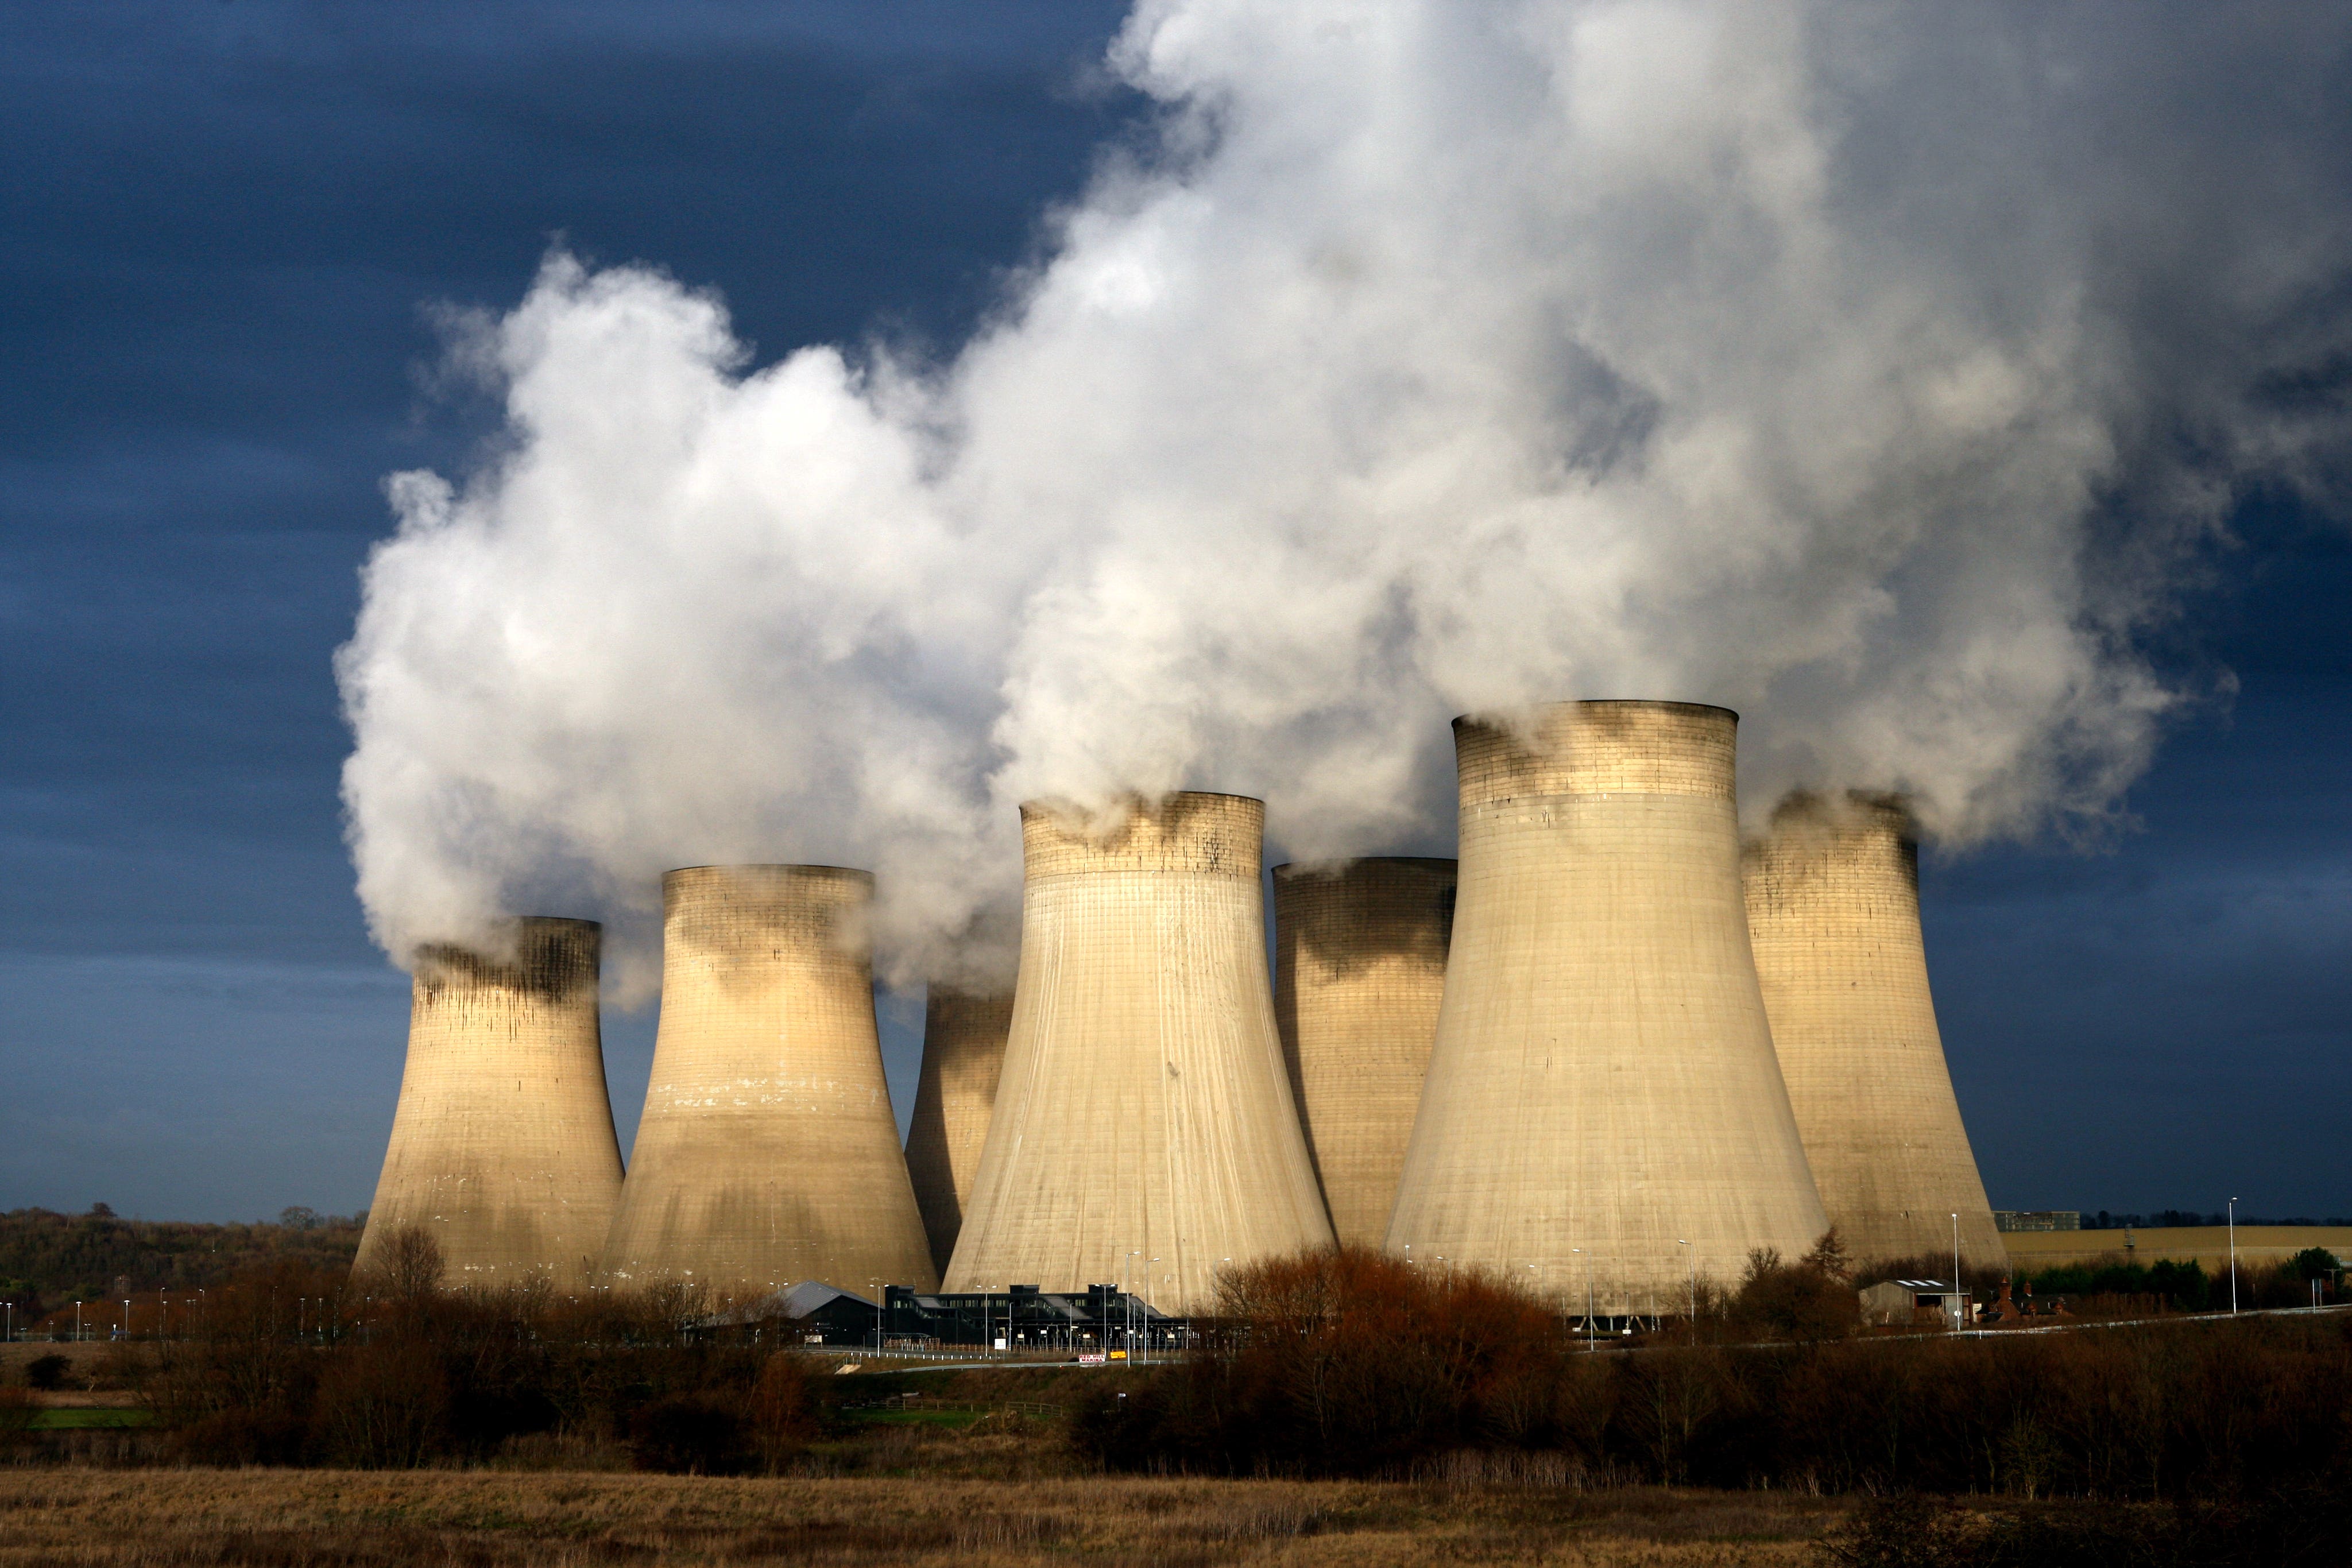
x: 220, y: 228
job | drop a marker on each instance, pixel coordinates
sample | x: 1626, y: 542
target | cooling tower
x: 1834, y: 914
x: 1359, y: 971
x: 1144, y: 1128
x: 502, y: 1146
x: 1603, y: 1089
x: 768, y: 1154
x: 964, y: 1053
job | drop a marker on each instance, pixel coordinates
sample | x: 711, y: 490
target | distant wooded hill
x: 47, y: 1259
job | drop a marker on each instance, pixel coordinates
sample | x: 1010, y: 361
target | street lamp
x: 1960, y: 1306
x: 2234, y: 1257
x: 1588, y: 1303
x: 1126, y: 1303
x: 1147, y: 1311
x: 1693, y: 1256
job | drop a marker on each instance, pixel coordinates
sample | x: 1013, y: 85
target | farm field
x: 101, y: 1518
x: 2259, y: 1246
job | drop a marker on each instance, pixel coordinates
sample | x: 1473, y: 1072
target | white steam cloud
x: 1878, y: 372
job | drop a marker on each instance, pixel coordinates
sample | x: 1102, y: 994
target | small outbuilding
x: 1921, y: 1303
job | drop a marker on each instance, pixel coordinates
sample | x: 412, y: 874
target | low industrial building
x: 1102, y: 1319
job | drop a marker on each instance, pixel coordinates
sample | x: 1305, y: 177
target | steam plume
x: 1878, y: 372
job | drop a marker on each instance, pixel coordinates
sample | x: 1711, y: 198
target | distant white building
x: 2036, y: 1219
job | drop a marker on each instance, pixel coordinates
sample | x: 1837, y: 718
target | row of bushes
x: 392, y: 1372
x: 2187, y: 1288
x: 1354, y: 1364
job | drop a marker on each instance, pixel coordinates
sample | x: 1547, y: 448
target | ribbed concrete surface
x: 1144, y: 1109
x: 964, y: 1055
x: 1833, y: 916
x: 1602, y: 1077
x: 502, y: 1146
x: 768, y: 1154
x: 1359, y: 972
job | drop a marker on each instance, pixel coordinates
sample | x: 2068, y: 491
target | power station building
x: 1144, y: 1130
x: 768, y: 1154
x: 1604, y: 1111
x: 1833, y: 893
x: 1358, y: 974
x: 964, y: 1055
x: 502, y: 1147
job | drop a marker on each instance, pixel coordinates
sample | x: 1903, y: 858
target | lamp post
x: 1693, y: 1256
x: 1588, y: 1303
x: 1146, y: 1311
x: 77, y: 1322
x: 1960, y: 1304
x: 2234, y: 1257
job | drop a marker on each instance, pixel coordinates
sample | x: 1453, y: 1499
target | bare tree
x: 411, y: 1267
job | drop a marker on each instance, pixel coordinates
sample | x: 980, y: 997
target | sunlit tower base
x: 1602, y: 1088
x: 1359, y: 972
x: 502, y: 1148
x: 964, y: 1055
x: 1144, y: 1129
x: 767, y: 1154
x: 1833, y: 913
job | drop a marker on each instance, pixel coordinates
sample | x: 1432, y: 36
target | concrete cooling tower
x: 1359, y: 971
x: 768, y: 1154
x: 964, y: 1053
x: 1144, y: 1128
x: 1603, y: 1089
x: 1834, y: 914
x: 502, y: 1146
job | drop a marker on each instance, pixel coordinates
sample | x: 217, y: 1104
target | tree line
x: 49, y: 1259
x: 1327, y: 1363
x: 1356, y: 1364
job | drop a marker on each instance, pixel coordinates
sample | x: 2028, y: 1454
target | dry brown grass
x: 331, y: 1519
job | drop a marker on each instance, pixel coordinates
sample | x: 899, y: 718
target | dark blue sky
x: 221, y: 228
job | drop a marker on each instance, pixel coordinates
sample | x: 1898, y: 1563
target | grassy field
x: 2206, y: 1246
x: 102, y: 1519
x: 86, y: 1418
